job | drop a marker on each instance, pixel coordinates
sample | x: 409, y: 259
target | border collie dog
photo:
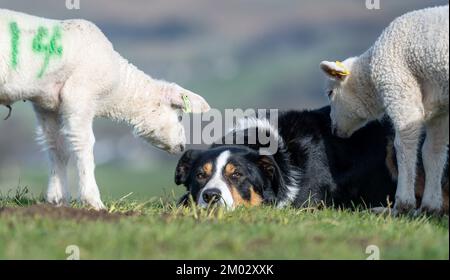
x: 310, y: 167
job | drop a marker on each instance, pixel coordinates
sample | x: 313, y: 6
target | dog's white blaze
x: 217, y: 182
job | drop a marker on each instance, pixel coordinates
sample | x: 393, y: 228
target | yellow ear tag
x: 187, y: 104
x: 346, y: 72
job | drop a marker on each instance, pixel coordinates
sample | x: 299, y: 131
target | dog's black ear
x: 268, y: 165
x: 184, y: 166
x: 270, y: 168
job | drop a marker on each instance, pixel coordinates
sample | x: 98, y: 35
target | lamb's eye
x: 180, y: 118
x: 330, y: 93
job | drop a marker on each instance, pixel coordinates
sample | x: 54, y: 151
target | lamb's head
x: 348, y: 113
x: 162, y: 124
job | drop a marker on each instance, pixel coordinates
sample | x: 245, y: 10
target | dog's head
x: 228, y: 176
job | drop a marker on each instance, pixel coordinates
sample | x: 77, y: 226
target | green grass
x: 114, y: 181
x: 163, y: 231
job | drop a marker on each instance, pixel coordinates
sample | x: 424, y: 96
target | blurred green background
x: 237, y: 54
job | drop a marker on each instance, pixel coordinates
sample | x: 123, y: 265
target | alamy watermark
x: 234, y: 126
x: 374, y: 253
x: 373, y: 4
x: 73, y: 4
x: 73, y: 252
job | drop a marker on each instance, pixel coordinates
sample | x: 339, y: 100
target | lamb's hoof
x: 404, y: 209
x: 95, y: 204
x: 431, y: 206
x: 57, y: 201
x: 430, y: 211
x: 384, y: 211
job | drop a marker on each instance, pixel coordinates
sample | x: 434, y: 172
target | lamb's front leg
x: 406, y: 146
x: 50, y: 136
x: 79, y: 133
x: 434, y: 153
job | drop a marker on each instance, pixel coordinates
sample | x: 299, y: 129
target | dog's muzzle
x: 211, y: 196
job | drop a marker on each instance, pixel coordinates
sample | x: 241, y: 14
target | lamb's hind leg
x: 434, y: 154
x: 49, y: 134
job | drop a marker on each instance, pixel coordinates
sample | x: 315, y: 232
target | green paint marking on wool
x: 15, y: 35
x: 50, y: 49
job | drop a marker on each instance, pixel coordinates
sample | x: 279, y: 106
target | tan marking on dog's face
x: 238, y: 200
x: 229, y: 169
x: 207, y: 168
x: 255, y: 198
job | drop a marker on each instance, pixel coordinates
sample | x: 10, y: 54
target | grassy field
x: 114, y: 182
x: 158, y: 230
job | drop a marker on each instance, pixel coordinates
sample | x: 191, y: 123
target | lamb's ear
x: 198, y: 103
x: 335, y: 70
x: 189, y: 102
x: 184, y: 166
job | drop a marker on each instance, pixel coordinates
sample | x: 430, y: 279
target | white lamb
x: 406, y: 76
x: 71, y: 74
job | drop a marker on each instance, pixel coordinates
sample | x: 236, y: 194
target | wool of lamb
x: 71, y: 74
x: 404, y: 75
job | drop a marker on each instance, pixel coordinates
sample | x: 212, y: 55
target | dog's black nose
x: 211, y: 196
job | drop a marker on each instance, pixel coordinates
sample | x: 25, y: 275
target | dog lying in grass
x: 310, y: 168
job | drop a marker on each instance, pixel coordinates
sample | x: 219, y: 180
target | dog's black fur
x: 356, y: 167
x: 322, y: 168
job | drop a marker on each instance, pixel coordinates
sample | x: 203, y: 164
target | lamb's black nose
x: 211, y: 196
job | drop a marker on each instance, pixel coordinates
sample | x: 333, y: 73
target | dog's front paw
x: 184, y: 200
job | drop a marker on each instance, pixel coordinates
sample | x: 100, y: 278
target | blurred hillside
x: 246, y: 54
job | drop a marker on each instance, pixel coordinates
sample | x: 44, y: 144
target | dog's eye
x: 330, y: 93
x: 201, y: 176
x: 236, y: 175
